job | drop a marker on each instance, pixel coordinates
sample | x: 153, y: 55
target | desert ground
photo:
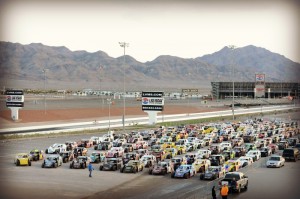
x: 56, y: 110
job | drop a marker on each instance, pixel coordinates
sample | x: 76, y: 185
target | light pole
x: 124, y: 45
x: 232, y: 47
x: 44, y: 71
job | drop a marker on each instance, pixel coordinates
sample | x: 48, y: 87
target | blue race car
x: 184, y: 171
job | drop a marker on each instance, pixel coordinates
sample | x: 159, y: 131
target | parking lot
x: 63, y: 182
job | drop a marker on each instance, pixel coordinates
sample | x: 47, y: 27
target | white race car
x: 275, y: 161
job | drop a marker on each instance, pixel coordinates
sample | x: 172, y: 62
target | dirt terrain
x: 87, y: 109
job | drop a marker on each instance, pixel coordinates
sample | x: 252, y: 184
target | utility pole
x: 124, y: 45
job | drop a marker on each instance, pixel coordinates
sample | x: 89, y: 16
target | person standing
x: 213, y: 193
x: 91, y: 168
x: 224, y: 191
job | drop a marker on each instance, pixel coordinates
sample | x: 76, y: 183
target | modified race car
x: 111, y: 164
x: 97, y: 157
x: 52, y: 161
x: 22, y: 159
x: 184, y: 171
x: 213, y: 172
x: 160, y: 168
x: 79, y: 163
x: 36, y: 155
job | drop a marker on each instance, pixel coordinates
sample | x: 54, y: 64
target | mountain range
x: 23, y: 66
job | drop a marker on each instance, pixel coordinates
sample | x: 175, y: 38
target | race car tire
x: 239, y: 189
x: 36, y: 158
x: 150, y: 172
x: 46, y: 151
x: 71, y: 166
x: 101, y: 168
x: 201, y: 176
x: 43, y: 165
x: 18, y: 162
x: 29, y: 163
x: 246, y: 187
x: 186, y: 176
x: 172, y: 175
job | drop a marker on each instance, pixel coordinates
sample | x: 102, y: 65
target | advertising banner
x: 14, y: 98
x: 152, y: 101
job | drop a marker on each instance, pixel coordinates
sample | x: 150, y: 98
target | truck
x: 240, y: 178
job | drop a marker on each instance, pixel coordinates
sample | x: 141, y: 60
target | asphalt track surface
x: 62, y: 182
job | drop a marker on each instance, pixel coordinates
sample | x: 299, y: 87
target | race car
x: 160, y: 168
x: 213, y: 172
x: 80, y: 151
x: 79, y: 163
x: 148, y: 160
x: 103, y: 146
x: 97, y: 157
x: 22, y: 159
x: 52, y: 161
x: 112, y: 164
x: 132, y: 166
x: 232, y: 165
x: 36, y: 154
x: 139, y: 166
x: 56, y: 148
x: 201, y: 165
x: 184, y: 171
x: 67, y: 156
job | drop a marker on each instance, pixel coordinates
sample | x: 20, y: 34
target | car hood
x: 49, y: 161
x: 272, y: 162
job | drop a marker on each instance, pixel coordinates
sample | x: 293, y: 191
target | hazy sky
x: 184, y: 28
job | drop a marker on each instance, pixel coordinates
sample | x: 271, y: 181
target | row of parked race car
x: 213, y: 149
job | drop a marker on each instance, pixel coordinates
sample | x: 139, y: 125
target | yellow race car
x: 170, y: 153
x: 232, y: 165
x: 36, y: 154
x: 168, y: 145
x: 181, y: 149
x: 22, y: 159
